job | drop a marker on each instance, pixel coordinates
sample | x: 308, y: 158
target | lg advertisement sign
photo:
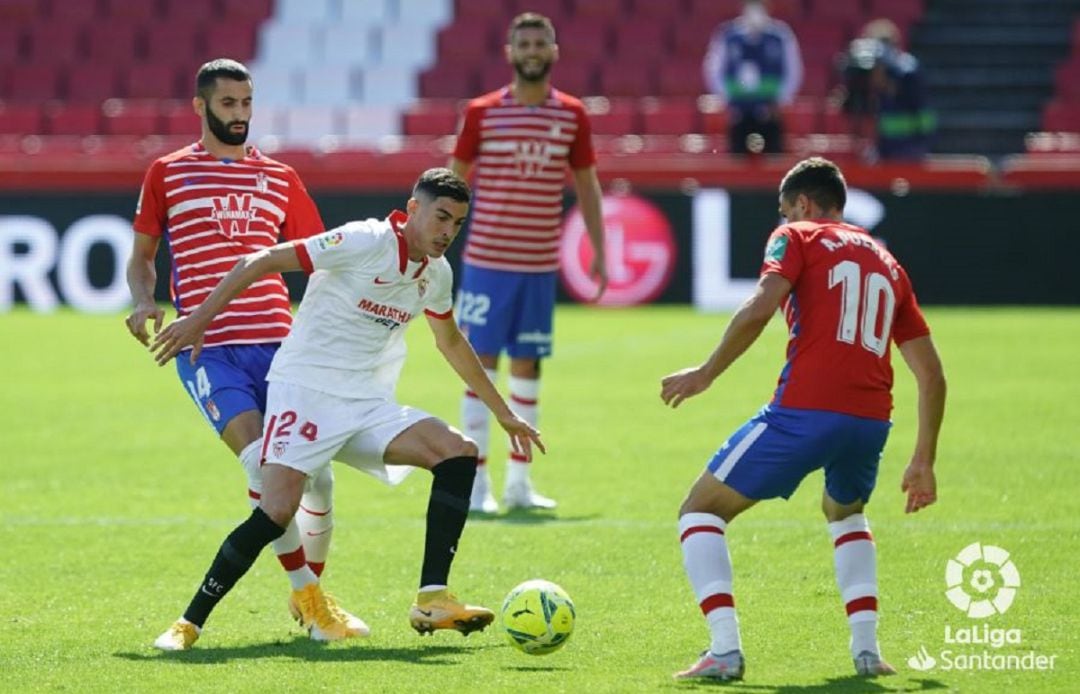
x: 641, y: 252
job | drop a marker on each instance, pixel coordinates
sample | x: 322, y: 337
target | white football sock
x: 525, y: 401
x: 288, y: 549
x: 856, y: 576
x: 475, y: 425
x: 315, y: 518
x: 708, y: 566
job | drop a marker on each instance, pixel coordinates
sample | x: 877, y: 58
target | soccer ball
x: 538, y: 617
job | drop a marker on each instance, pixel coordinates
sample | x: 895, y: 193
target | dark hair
x: 207, y: 76
x: 530, y: 20
x: 442, y: 183
x: 818, y: 179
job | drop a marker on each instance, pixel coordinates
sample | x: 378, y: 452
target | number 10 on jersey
x: 867, y: 306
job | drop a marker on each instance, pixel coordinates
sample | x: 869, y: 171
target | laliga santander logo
x: 981, y: 580
x: 640, y: 252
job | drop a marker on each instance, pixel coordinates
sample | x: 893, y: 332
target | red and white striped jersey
x: 521, y: 154
x: 214, y: 211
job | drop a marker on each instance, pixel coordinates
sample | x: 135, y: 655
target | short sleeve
x: 582, y: 154
x: 302, y: 217
x: 909, y: 322
x: 150, y: 212
x: 468, y: 141
x: 440, y: 303
x: 783, y: 255
x: 353, y: 246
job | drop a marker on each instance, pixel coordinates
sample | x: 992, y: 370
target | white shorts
x: 305, y: 429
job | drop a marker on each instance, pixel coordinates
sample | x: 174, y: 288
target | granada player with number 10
x: 845, y: 299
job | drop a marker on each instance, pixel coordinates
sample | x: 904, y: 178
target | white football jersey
x: 348, y: 334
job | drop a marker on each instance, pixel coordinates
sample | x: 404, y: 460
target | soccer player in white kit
x: 331, y: 394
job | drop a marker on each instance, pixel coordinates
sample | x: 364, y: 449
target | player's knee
x: 459, y: 446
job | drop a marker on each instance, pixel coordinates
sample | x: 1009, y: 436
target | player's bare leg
x: 525, y: 401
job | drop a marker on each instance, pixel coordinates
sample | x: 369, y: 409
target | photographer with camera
x: 884, y: 95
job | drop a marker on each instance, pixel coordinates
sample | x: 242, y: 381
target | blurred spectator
x: 754, y: 63
x: 884, y: 94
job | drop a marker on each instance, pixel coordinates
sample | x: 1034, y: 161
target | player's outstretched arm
x: 460, y: 355
x: 589, y: 194
x: 742, y: 331
x: 141, y: 279
x: 919, y: 481
x: 188, y: 330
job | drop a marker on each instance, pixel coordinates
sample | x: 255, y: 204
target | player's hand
x: 598, y: 272
x: 522, y: 435
x: 136, y: 321
x: 683, y: 384
x: 182, y: 332
x: 920, y: 485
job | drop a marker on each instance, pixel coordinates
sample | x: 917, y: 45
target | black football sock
x: 448, y: 507
x: 235, y: 557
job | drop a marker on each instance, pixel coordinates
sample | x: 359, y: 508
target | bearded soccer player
x: 846, y: 299
x: 519, y: 140
x: 213, y: 202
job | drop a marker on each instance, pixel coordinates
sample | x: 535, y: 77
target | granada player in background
x: 213, y: 202
x: 845, y: 298
x: 518, y: 141
x: 332, y: 386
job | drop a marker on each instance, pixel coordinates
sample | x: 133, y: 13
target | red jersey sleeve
x: 468, y: 141
x: 302, y: 217
x: 582, y: 154
x: 784, y: 254
x: 150, y: 212
x: 909, y: 322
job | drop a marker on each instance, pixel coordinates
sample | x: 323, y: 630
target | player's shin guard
x: 448, y: 507
x: 289, y: 551
x: 708, y: 566
x: 856, y: 575
x: 315, y: 518
x: 233, y: 559
x: 525, y: 401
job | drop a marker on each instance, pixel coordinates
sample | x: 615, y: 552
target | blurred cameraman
x: 883, y: 93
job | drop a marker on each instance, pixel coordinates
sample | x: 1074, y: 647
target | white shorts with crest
x: 305, y: 429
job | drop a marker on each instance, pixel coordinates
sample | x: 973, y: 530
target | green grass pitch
x: 115, y: 496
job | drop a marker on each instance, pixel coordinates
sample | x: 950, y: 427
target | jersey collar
x: 397, y: 221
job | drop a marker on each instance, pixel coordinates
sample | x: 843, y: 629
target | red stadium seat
x: 465, y: 42
x: 16, y: 11
x: 55, y: 43
x: 714, y: 117
x: 587, y: 39
x: 254, y: 11
x: 178, y: 118
x: 713, y: 12
x: 903, y: 12
x: 72, y: 119
x: 150, y: 81
x: 493, y: 76
x: 189, y: 11
x: 131, y: 10
x: 555, y: 10
x: 662, y: 10
x: 229, y: 40
x: 681, y: 78
x: 20, y: 119
x: 123, y: 117
x: 843, y: 12
x: 817, y: 79
x: 449, y: 81
x: 690, y: 39
x: 835, y: 122
x: 671, y: 116
x: 627, y: 79
x: 11, y: 44
x: 613, y: 116
x: 821, y: 38
x: 801, y: 117
x: 176, y: 40
x: 92, y: 82
x: 575, y: 77
x: 113, y: 43
x: 433, y: 117
x: 481, y: 10
x: 602, y: 9
x: 34, y: 82
x: 646, y: 36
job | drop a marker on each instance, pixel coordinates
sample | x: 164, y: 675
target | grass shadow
x: 853, y: 684
x: 523, y: 516
x: 303, y: 648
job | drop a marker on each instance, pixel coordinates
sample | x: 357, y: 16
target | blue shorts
x: 512, y: 311
x: 771, y: 454
x: 227, y: 380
